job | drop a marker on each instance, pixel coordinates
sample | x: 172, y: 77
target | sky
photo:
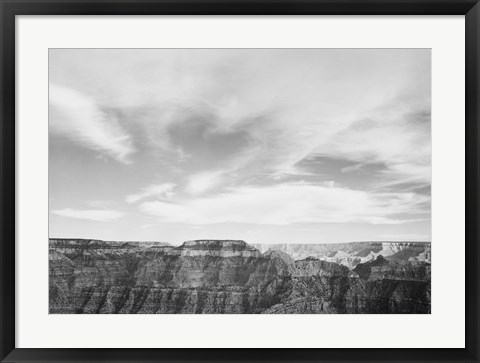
x: 264, y: 145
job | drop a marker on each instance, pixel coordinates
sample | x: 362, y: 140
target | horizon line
x: 252, y: 243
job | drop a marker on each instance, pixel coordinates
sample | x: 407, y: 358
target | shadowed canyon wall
x: 233, y: 277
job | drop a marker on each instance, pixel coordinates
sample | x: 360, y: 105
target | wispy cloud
x: 164, y: 190
x: 234, y: 132
x: 289, y: 103
x: 100, y: 215
x: 405, y: 237
x: 396, y: 139
x: 291, y: 203
x: 350, y: 168
x: 80, y: 118
x: 203, y: 182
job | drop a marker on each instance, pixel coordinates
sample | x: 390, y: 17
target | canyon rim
x: 232, y: 277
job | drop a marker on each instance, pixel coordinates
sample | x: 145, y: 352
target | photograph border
x: 10, y: 9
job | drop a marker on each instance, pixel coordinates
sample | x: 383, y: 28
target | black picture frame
x: 10, y: 8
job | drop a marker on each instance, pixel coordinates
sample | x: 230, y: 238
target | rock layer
x: 353, y: 253
x: 225, y: 277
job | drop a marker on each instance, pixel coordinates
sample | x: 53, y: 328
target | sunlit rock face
x: 226, y: 277
x: 196, y: 277
x: 396, y: 285
x: 353, y: 253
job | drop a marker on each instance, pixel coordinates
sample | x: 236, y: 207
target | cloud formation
x: 100, y: 215
x: 271, y: 137
x: 292, y: 203
x: 80, y: 118
x: 164, y: 190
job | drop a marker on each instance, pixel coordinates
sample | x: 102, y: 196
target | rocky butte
x: 233, y: 277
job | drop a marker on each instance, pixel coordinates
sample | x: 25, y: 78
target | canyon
x: 234, y: 277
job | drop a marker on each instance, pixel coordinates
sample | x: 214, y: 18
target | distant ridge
x: 351, y: 254
x: 233, y: 277
x: 85, y: 240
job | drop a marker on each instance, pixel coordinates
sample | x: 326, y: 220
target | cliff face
x: 197, y: 277
x: 353, y: 253
x: 319, y: 287
x: 209, y: 276
x: 380, y: 286
x: 396, y: 286
x: 393, y: 269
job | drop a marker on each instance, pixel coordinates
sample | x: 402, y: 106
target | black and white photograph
x: 239, y: 181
